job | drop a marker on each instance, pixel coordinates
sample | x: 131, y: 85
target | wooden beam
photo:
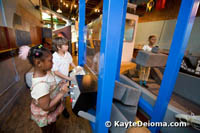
x: 71, y: 6
x: 52, y: 22
x: 48, y: 4
x: 97, y: 7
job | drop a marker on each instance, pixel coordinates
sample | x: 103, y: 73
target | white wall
x: 9, y: 10
x: 1, y: 20
x: 11, y: 6
x: 164, y: 31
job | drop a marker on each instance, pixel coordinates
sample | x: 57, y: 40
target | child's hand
x: 70, y: 78
x: 64, y: 89
x: 62, y: 82
x: 78, y: 69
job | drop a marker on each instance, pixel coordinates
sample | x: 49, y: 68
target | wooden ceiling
x: 70, y: 8
x: 169, y: 12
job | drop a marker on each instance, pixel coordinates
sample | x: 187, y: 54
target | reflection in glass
x: 93, y: 54
x: 129, y: 30
x: 93, y: 45
x: 93, y: 41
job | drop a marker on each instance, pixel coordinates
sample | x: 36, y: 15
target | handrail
x: 7, y: 50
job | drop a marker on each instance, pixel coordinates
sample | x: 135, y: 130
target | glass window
x: 129, y: 30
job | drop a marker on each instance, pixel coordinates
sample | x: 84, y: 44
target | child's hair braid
x: 36, y: 52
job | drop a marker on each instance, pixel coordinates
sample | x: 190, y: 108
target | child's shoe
x: 145, y: 84
x: 141, y: 82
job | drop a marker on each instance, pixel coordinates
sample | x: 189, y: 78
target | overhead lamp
x: 75, y: 6
x: 61, y: 1
x: 67, y: 5
x: 59, y: 10
x: 97, y: 10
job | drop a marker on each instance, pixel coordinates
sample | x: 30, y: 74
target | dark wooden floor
x: 19, y: 121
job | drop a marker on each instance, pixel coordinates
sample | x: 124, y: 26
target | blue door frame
x: 114, y: 14
x: 81, y: 28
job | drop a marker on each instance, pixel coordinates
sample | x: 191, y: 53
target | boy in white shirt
x: 62, y: 60
x: 145, y: 71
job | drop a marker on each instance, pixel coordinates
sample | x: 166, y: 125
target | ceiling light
x: 59, y: 10
x: 61, y: 1
x: 64, y: 3
x: 67, y: 5
x: 54, y: 17
x: 75, y: 6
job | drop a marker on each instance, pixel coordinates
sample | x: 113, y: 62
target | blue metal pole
x: 145, y: 106
x: 182, y: 32
x: 121, y: 41
x: 113, y: 15
x: 3, y: 13
x: 81, y: 44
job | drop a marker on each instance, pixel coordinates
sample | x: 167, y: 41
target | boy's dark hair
x: 58, y: 42
x: 151, y: 36
x: 37, y: 52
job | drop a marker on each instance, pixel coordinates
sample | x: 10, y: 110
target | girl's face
x: 64, y: 48
x: 152, y: 40
x: 47, y: 63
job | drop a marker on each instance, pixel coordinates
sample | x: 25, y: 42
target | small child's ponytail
x: 23, y: 52
x: 36, y: 52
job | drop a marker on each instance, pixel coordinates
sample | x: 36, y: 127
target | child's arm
x: 73, y: 65
x: 47, y: 104
x: 57, y: 73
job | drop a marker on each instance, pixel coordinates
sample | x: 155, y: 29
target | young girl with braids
x: 46, y: 94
